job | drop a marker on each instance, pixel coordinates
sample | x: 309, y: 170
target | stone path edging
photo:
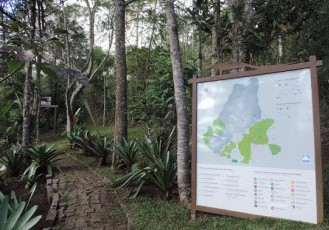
x: 52, y: 198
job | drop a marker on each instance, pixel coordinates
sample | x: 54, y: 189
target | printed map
x: 240, y: 125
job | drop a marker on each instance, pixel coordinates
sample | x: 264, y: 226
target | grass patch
x: 109, y: 131
x: 157, y: 215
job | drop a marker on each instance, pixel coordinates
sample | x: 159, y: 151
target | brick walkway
x: 88, y: 203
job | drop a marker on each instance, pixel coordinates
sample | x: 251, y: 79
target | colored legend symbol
x: 272, y: 208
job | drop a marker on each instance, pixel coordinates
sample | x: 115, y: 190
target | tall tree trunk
x: 215, y: 37
x: 26, y: 106
x: 26, y: 133
x: 236, y: 31
x: 104, y: 100
x: 248, y: 14
x: 111, y: 33
x: 121, y: 74
x: 38, y: 73
x: 67, y: 59
x: 150, y: 44
x: 88, y: 69
x: 199, y: 48
x: 38, y: 101
x: 183, y: 171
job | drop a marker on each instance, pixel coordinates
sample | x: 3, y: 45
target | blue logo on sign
x: 306, y: 159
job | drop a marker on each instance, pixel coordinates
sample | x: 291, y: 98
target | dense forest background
x: 65, y: 49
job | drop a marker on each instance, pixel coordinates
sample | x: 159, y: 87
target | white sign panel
x: 255, y: 146
x: 45, y: 101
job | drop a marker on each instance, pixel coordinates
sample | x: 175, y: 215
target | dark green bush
x: 101, y: 148
x: 44, y: 156
x: 13, y: 161
x: 158, y: 166
x: 127, y: 152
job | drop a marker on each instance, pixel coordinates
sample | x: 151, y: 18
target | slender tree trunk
x: 67, y: 58
x: 89, y: 112
x: 88, y: 69
x: 280, y: 49
x: 150, y: 43
x: 121, y: 75
x: 245, y: 50
x: 90, y: 63
x: 38, y: 99
x: 26, y: 106
x: 104, y: 100
x: 235, y: 31
x: 199, y: 46
x: 111, y: 33
x: 26, y: 133
x: 183, y: 171
x: 38, y: 74
x: 215, y: 37
x: 3, y: 28
x: 137, y: 25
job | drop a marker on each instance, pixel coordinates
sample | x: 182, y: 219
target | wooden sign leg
x: 193, y: 215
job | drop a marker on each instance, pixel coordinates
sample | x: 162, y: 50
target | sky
x: 102, y: 35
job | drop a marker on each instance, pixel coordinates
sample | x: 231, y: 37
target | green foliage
x: 102, y: 148
x: 13, y: 161
x: 43, y: 156
x: 30, y: 175
x: 83, y: 139
x: 77, y: 131
x: 16, y: 215
x: 158, y: 166
x: 152, y: 100
x: 10, y: 121
x: 128, y: 153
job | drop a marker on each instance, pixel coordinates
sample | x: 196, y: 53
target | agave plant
x: 13, y: 161
x: 30, y: 175
x: 127, y: 153
x: 102, y: 149
x: 3, y: 145
x: 136, y: 177
x: 158, y: 166
x: 76, y: 133
x: 83, y: 140
x: 44, y: 156
x: 16, y: 215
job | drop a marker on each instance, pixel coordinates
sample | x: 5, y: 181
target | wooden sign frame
x: 256, y: 71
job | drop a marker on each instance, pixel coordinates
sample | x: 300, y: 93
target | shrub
x: 83, y: 140
x: 30, y: 175
x: 44, y: 156
x: 16, y: 215
x: 127, y: 153
x: 13, y: 161
x: 102, y: 149
x: 158, y: 166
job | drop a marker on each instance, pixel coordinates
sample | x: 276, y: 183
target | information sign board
x: 256, y: 144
